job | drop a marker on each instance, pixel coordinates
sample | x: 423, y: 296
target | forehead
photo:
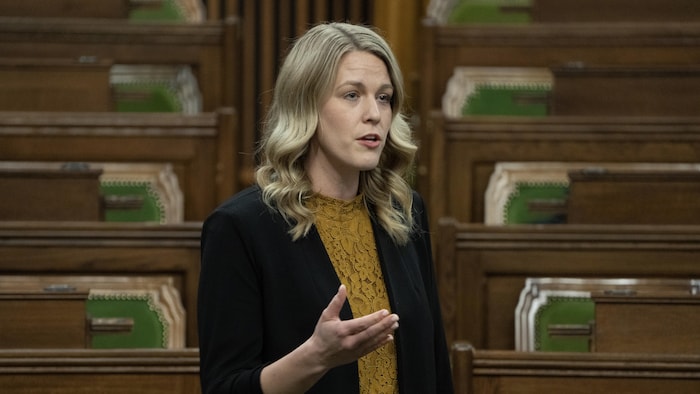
x: 357, y: 63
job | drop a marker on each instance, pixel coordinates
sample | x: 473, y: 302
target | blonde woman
x: 320, y: 277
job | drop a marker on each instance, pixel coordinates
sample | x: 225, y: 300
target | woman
x: 304, y: 276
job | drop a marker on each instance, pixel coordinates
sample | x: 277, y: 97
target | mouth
x: 370, y: 137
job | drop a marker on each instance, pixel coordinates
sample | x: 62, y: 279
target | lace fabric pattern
x: 346, y: 232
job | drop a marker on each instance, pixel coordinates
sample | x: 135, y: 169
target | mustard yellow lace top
x: 346, y: 232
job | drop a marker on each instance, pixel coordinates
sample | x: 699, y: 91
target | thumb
x: 333, y: 309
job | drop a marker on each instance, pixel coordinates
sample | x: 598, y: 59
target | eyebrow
x: 358, y: 83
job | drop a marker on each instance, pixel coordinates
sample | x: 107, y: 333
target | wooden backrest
x: 84, y: 371
x: 199, y: 147
x: 107, y: 249
x: 634, y: 197
x: 477, y: 371
x: 47, y: 192
x: 564, y: 11
x: 626, y: 90
x: 647, y: 322
x: 465, y: 150
x: 36, y: 318
x: 482, y: 269
x: 61, y: 84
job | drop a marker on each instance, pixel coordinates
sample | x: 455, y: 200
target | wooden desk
x: 634, y: 197
x: 647, y: 323
x: 43, y: 319
x: 50, y: 194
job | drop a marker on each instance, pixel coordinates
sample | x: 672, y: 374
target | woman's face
x: 354, y: 120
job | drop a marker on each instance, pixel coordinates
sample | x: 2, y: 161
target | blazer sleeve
x: 228, y: 308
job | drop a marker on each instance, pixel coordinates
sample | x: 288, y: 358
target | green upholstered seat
x: 561, y: 310
x: 150, y: 210
x: 490, y: 11
x: 155, y: 88
x: 150, y: 328
x: 155, y: 185
x: 504, y: 100
x: 518, y: 208
x: 501, y: 91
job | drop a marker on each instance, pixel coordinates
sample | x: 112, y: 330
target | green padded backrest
x: 517, y: 211
x: 489, y: 11
x: 167, y: 11
x: 501, y: 100
x: 563, y: 310
x: 146, y: 97
x: 150, y: 327
x: 152, y: 210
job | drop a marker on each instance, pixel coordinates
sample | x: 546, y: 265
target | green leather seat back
x: 563, y: 310
x: 489, y: 11
x: 503, y: 100
x: 149, y: 329
x: 517, y: 209
x: 152, y: 209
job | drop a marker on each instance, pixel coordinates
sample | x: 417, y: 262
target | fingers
x: 332, y: 311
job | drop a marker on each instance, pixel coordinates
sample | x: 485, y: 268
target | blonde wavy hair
x: 305, y: 78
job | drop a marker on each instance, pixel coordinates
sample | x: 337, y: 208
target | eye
x: 385, y: 98
x: 351, y: 95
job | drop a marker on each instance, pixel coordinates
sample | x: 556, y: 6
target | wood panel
x: 478, y: 371
x: 66, y: 8
x: 482, y: 269
x: 153, y: 371
x: 567, y: 11
x: 99, y: 248
x: 41, y: 318
x: 50, y: 194
x: 634, y: 197
x: 651, y: 322
x: 62, y: 84
x: 625, y: 91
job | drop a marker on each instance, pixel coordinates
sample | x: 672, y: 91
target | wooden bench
x: 99, y: 248
x: 444, y: 47
x: 482, y: 269
x: 83, y: 371
x: 465, y: 150
x: 199, y: 147
x: 477, y: 371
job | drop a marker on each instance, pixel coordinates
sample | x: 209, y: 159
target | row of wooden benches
x: 481, y: 270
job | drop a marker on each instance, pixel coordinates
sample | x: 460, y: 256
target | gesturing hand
x: 342, y: 341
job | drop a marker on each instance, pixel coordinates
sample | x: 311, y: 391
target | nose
x: 372, y: 113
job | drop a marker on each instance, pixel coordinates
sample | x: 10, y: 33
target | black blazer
x: 261, y: 294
